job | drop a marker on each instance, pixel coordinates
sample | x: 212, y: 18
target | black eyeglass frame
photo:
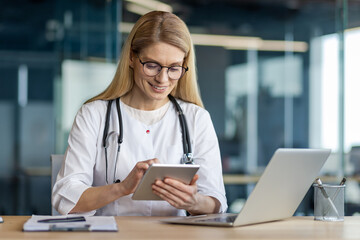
x: 185, y: 69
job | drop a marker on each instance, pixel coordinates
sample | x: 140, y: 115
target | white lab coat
x: 84, y: 164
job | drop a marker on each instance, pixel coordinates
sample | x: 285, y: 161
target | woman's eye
x: 174, y: 69
x: 152, y: 65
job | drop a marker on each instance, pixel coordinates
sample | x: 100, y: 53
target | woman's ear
x: 131, y: 62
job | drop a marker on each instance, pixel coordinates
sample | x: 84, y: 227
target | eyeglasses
x: 151, y: 69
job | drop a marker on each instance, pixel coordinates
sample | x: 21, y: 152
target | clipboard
x: 40, y: 223
x: 181, y: 172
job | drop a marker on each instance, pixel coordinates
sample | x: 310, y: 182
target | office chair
x: 56, y: 162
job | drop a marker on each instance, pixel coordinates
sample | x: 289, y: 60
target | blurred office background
x: 272, y: 73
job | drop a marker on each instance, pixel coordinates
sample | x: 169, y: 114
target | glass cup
x: 329, y: 202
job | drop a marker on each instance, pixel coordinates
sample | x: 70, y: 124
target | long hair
x: 154, y: 27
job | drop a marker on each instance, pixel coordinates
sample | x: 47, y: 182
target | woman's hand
x: 183, y: 196
x: 132, y: 180
x: 178, y: 194
x: 97, y: 197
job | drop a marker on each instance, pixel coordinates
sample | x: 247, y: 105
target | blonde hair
x: 153, y: 27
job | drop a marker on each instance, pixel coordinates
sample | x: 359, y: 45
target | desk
x: 243, y: 179
x: 151, y: 228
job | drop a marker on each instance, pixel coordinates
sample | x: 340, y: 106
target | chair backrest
x: 56, y: 162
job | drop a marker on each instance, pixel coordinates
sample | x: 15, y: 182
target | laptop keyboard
x: 227, y: 219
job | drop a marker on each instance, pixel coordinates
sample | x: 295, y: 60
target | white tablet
x: 181, y: 172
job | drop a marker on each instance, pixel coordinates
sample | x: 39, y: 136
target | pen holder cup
x: 329, y: 202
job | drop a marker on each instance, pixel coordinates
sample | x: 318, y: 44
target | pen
x: 77, y: 228
x: 59, y: 220
x: 335, y: 194
x: 324, y: 193
x: 343, y: 181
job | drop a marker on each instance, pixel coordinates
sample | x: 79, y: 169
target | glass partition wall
x: 297, y: 90
x: 272, y: 74
x: 301, y: 95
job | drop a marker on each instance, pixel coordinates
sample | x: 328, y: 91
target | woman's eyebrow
x: 148, y: 59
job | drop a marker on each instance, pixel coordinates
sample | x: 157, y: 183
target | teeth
x: 160, y: 88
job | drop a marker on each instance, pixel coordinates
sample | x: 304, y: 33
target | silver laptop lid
x: 283, y: 185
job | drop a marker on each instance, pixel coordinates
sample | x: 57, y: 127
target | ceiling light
x: 152, y: 5
x: 137, y: 9
x: 226, y: 41
x: 237, y: 42
x: 246, y: 43
x: 273, y: 45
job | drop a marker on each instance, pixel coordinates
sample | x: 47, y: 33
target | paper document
x: 52, y: 223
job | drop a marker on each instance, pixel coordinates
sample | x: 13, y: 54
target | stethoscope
x: 187, y: 158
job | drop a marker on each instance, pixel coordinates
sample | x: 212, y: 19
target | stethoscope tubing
x: 106, y: 135
x: 184, y: 128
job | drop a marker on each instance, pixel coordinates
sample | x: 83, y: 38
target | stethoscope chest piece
x: 187, y: 158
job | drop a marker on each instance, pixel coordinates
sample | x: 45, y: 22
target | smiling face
x: 151, y: 93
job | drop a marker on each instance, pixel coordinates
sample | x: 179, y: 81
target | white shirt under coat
x: 84, y: 164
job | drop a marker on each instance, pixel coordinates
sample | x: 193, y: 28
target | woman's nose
x: 162, y: 76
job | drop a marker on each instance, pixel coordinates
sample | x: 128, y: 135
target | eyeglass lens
x: 152, y: 69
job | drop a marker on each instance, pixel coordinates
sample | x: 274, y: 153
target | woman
x: 157, y: 60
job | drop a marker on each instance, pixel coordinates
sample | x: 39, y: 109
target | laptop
x: 279, y: 191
